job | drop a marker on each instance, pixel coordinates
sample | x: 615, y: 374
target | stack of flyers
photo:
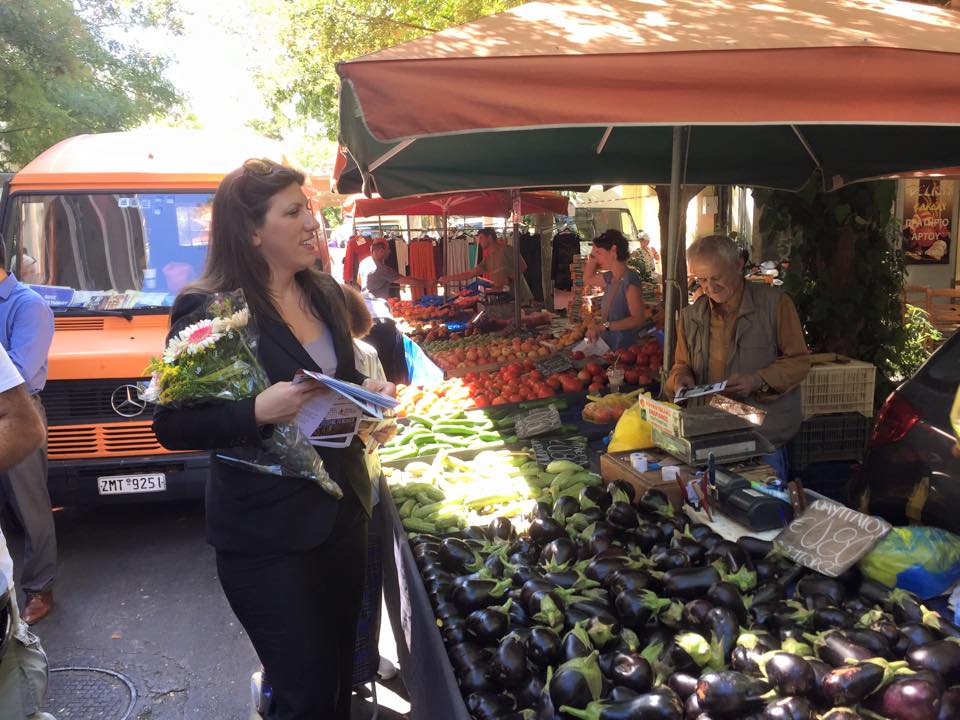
x: 332, y: 418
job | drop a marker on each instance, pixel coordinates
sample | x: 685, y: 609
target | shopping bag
x: 632, y: 432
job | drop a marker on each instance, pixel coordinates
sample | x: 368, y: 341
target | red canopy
x: 489, y: 203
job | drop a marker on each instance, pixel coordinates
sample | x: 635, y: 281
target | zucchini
x: 558, y: 403
x: 418, y: 525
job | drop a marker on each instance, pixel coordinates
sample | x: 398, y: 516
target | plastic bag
x: 923, y: 560
x: 632, y: 432
x: 955, y: 416
x: 214, y: 358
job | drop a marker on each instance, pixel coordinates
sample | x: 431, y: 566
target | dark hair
x: 489, y: 232
x: 358, y: 314
x: 613, y: 238
x: 239, y: 208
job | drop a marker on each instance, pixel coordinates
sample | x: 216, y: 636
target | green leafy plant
x: 846, y: 274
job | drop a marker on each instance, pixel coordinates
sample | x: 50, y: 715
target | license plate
x: 126, y: 484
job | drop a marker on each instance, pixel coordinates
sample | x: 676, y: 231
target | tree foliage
x: 321, y: 33
x: 65, y: 69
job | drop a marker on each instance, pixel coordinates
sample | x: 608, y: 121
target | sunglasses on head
x: 259, y: 166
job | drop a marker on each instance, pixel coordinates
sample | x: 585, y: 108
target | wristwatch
x: 764, y: 388
x: 606, y: 325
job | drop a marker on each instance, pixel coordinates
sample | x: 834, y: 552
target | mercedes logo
x: 126, y: 401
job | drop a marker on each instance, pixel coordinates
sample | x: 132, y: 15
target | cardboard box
x: 616, y: 466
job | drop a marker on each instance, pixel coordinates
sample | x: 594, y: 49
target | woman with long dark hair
x: 290, y: 557
x: 622, y: 310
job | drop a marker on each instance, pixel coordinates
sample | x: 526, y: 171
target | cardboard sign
x: 573, y: 449
x: 829, y: 538
x: 538, y: 422
x: 553, y: 364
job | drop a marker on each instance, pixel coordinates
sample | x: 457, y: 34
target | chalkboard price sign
x: 553, y: 364
x: 573, y: 449
x: 829, y: 538
x: 538, y: 422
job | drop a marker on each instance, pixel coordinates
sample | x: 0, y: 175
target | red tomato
x: 535, y: 375
x: 595, y: 387
x: 631, y: 376
x: 481, y: 401
x: 601, y: 379
x: 544, y: 393
x: 642, y: 379
x: 501, y: 400
x: 594, y: 368
x: 554, y: 382
x: 577, y: 355
x: 516, y: 398
x: 584, y: 375
x: 627, y: 357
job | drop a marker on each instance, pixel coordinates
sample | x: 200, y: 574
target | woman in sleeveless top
x: 622, y: 311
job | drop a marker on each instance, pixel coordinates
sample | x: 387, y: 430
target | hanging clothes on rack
x: 400, y: 248
x: 566, y: 244
x: 530, y: 251
x: 358, y: 249
x: 423, y: 264
x: 458, y: 255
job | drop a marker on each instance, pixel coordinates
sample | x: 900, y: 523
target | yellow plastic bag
x: 632, y: 432
x: 955, y: 416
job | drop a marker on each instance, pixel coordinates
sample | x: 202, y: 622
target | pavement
x: 137, y: 594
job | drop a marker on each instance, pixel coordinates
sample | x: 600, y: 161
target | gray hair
x: 715, y: 246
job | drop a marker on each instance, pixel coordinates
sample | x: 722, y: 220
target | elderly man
x: 745, y: 333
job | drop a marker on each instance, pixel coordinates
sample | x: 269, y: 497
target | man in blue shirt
x: 26, y: 331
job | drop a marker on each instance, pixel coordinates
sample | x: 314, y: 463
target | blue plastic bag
x: 421, y: 368
x: 923, y: 560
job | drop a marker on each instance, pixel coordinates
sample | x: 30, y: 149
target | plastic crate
x: 830, y: 479
x: 828, y: 438
x: 838, y: 384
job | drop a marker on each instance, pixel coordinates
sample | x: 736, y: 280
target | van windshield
x: 115, y: 250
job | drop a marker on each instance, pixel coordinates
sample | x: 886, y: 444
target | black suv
x: 912, y: 468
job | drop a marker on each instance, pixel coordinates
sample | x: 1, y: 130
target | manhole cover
x: 90, y: 694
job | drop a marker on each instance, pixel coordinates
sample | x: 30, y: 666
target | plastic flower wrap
x: 214, y: 358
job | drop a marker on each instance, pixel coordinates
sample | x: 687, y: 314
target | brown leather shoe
x: 38, y: 607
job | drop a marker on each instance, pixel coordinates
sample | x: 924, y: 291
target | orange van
x: 109, y: 228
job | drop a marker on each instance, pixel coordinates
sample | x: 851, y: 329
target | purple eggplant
x: 476, y: 594
x: 510, y: 662
x: 841, y: 714
x: 476, y: 678
x: 655, y: 501
x: 835, y: 649
x: 628, y: 670
x: 624, y: 487
x: 755, y: 547
x: 660, y: 704
x: 728, y: 692
x: 635, y: 608
x: 622, y: 515
x: 950, y: 704
x: 489, y: 705
x: 691, y: 707
x: 769, y: 592
x: 874, y: 641
x: 576, y: 683
x: 710, y: 541
x: 789, y: 708
x: 790, y: 674
x: 914, y: 635
x: 683, y: 684
x: 454, y: 631
x: 544, y: 647
x: 543, y: 530
x: 576, y: 643
x: 596, y: 495
x: 721, y: 625
x: 586, y: 610
x: 822, y: 585
x: 646, y: 535
x: 670, y: 559
x: 528, y: 694
x: 735, y: 557
x: 559, y: 553
x: 907, y: 698
x: 455, y: 555
x: 489, y: 624
x: 630, y: 579
x: 523, y: 573
x: 848, y: 685
x: 564, y: 507
x: 694, y: 550
x: 689, y: 583
x: 746, y: 660
x: 943, y: 657
x: 766, y: 571
x: 601, y: 568
x: 620, y: 693
x: 500, y: 528
x: 832, y: 618
x: 726, y: 594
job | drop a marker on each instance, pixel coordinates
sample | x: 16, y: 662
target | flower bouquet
x: 214, y: 358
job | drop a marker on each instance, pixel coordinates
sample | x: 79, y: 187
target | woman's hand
x: 381, y: 386
x: 282, y: 401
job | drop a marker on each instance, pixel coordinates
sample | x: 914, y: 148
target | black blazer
x: 255, y: 512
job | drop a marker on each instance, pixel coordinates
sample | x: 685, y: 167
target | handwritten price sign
x: 829, y: 538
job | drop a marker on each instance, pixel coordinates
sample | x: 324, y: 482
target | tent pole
x: 443, y: 249
x: 671, y: 300
x: 515, y: 195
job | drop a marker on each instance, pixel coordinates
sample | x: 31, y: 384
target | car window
x: 943, y: 369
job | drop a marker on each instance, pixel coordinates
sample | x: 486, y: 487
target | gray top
x: 376, y: 277
x: 323, y: 352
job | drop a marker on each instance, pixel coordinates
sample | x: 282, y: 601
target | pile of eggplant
x: 604, y: 608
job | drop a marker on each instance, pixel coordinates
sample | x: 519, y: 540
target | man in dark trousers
x: 26, y: 331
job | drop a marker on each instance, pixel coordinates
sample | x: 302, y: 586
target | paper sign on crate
x: 662, y: 416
